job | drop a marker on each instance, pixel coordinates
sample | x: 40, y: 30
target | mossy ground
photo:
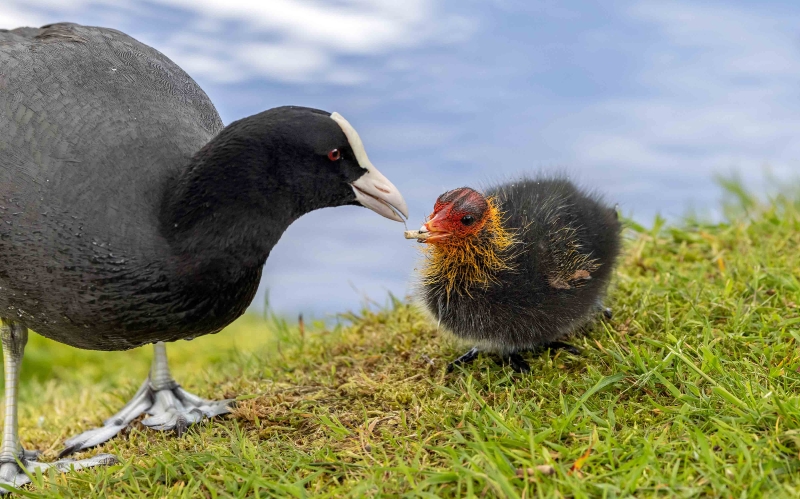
x: 692, y: 389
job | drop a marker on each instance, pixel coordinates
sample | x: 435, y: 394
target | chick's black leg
x: 464, y: 359
x: 607, y: 312
x: 517, y: 363
x: 560, y: 345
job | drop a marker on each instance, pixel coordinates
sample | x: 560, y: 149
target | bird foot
x: 12, y: 475
x: 515, y: 360
x: 520, y: 365
x: 169, y: 408
x: 607, y: 312
x: 517, y: 363
x: 464, y: 359
x: 560, y: 345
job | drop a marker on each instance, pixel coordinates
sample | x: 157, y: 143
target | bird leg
x: 517, y: 363
x: 17, y: 464
x: 464, y: 359
x: 515, y: 359
x: 607, y: 312
x: 560, y: 345
x: 520, y: 365
x: 169, y: 406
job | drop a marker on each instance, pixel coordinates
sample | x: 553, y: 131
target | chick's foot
x: 560, y: 345
x: 517, y: 363
x: 464, y: 359
x: 606, y: 311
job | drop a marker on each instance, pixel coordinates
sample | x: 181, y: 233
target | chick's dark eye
x: 467, y: 220
x: 334, y: 154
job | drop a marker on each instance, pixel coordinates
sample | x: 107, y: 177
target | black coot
x: 518, y: 268
x: 129, y: 215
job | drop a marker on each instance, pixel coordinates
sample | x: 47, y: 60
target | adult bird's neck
x: 231, y: 202
x: 221, y: 217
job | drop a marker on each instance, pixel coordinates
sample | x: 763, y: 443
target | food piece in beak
x: 425, y: 235
x: 435, y: 227
x: 419, y: 235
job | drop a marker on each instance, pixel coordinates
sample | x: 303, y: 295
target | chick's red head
x: 457, y: 215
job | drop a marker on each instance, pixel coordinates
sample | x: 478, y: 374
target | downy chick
x: 518, y: 268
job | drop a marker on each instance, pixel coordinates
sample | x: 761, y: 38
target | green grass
x: 690, y: 391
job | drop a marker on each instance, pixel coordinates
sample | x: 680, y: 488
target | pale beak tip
x: 403, y: 208
x: 384, y: 200
x: 397, y: 218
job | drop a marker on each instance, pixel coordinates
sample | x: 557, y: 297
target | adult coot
x: 520, y: 267
x: 129, y: 215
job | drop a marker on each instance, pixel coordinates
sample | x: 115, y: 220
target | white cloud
x: 285, y: 40
x: 720, y: 83
x: 12, y: 16
x: 294, y: 62
x: 355, y: 26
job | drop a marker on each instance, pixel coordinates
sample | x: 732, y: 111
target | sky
x: 643, y: 101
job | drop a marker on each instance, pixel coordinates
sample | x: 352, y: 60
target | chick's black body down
x: 567, y: 242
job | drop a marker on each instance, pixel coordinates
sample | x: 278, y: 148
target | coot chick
x: 130, y: 215
x: 518, y: 268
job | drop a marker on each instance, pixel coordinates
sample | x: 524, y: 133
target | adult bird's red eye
x: 334, y: 155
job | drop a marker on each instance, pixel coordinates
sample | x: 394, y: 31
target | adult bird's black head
x: 263, y: 172
x: 224, y: 213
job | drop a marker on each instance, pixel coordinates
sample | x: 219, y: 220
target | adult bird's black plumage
x: 130, y: 215
x: 520, y: 267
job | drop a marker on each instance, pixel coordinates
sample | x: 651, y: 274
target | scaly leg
x: 517, y: 363
x: 464, y: 359
x: 15, y: 463
x: 170, y: 407
x: 560, y: 345
x: 520, y: 365
x: 607, y: 312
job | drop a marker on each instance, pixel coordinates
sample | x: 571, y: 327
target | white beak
x: 373, y: 190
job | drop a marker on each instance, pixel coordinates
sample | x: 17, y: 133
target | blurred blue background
x: 645, y: 101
